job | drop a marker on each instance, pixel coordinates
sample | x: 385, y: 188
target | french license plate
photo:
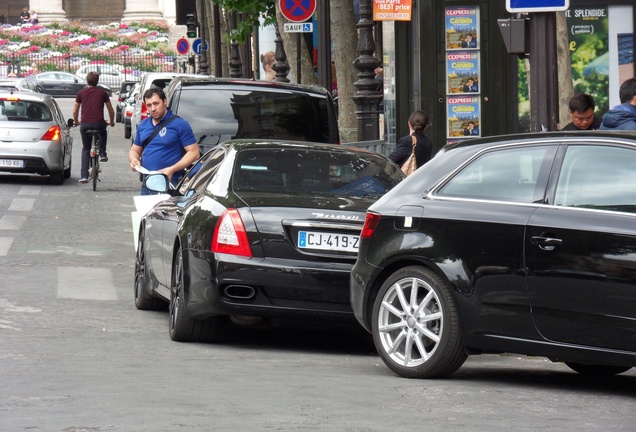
x: 328, y: 241
x: 11, y: 163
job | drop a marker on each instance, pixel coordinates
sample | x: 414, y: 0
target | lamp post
x: 366, y: 96
x: 204, y: 66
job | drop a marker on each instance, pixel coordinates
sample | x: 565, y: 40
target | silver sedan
x: 34, y: 137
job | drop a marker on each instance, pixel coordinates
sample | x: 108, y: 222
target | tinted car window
x: 221, y: 114
x: 198, y: 176
x: 24, y: 111
x: 503, y: 174
x: 322, y: 173
x: 600, y: 177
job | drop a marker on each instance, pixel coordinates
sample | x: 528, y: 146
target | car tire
x: 56, y: 177
x: 181, y: 327
x: 118, y: 117
x: 597, y: 370
x: 127, y: 132
x: 417, y: 340
x: 142, y: 288
x: 67, y: 171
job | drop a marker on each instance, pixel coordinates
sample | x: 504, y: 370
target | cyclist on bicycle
x: 92, y: 100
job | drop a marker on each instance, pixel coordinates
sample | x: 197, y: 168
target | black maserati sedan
x: 258, y: 230
x: 523, y: 244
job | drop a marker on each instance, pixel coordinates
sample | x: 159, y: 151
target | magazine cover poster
x: 462, y: 72
x: 463, y: 116
x: 462, y: 27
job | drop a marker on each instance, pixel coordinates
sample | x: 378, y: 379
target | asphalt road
x: 75, y: 354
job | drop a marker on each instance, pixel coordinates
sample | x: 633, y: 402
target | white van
x: 149, y: 79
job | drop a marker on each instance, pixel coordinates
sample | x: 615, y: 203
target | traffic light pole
x: 543, y: 78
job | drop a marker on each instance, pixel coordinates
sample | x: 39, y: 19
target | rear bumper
x: 267, y: 287
x: 41, y: 157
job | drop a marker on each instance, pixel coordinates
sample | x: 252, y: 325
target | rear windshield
x: 219, y: 114
x: 314, y: 172
x: 18, y: 110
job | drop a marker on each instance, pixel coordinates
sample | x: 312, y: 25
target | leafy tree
x: 251, y: 12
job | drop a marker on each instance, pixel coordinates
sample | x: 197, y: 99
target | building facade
x: 102, y: 12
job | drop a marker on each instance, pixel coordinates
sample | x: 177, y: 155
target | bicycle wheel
x: 95, y: 170
x: 95, y: 161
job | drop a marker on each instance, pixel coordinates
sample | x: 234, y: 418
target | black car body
x: 61, y: 84
x: 258, y: 229
x: 219, y: 109
x: 523, y: 244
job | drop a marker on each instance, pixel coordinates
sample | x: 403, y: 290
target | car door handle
x: 546, y: 243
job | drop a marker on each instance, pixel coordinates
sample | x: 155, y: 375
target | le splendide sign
x: 392, y: 10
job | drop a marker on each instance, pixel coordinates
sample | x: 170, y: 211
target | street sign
x: 297, y: 10
x: 196, y: 46
x: 523, y: 6
x: 183, y: 46
x: 298, y: 27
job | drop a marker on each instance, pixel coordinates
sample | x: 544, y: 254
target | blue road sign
x: 183, y: 46
x: 523, y: 6
x: 196, y: 46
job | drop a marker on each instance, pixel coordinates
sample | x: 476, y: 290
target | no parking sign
x: 297, y: 10
x: 183, y: 46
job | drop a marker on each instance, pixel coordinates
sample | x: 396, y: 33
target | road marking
x: 22, y: 204
x: 85, y: 283
x: 5, y: 245
x: 10, y: 307
x: 30, y: 190
x: 11, y: 222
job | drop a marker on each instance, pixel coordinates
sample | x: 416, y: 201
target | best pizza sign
x: 392, y: 10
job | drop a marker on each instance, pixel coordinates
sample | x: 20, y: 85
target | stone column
x: 169, y: 8
x: 137, y: 10
x: 48, y: 10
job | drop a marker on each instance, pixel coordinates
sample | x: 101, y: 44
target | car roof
x: 206, y: 81
x: 31, y: 97
x: 246, y: 144
x: 550, y: 135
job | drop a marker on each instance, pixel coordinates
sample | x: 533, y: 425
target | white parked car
x: 149, y: 79
x: 110, y: 75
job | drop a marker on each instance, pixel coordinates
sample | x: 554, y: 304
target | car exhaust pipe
x: 239, y: 292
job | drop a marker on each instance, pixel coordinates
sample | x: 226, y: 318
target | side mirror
x: 70, y: 123
x: 157, y: 183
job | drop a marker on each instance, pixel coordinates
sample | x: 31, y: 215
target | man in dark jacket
x: 623, y: 116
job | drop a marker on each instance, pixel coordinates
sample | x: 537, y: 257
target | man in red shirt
x: 92, y: 100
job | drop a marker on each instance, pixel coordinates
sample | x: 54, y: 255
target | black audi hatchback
x: 523, y: 244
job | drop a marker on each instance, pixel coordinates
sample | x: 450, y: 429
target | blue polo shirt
x: 167, y: 147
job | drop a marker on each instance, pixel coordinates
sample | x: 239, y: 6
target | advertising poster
x: 625, y: 43
x: 463, y: 116
x: 589, y: 52
x: 392, y: 10
x: 462, y: 27
x: 462, y: 72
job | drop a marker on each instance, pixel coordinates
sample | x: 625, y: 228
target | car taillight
x: 144, y: 111
x: 370, y: 223
x: 53, y: 134
x: 230, y: 236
